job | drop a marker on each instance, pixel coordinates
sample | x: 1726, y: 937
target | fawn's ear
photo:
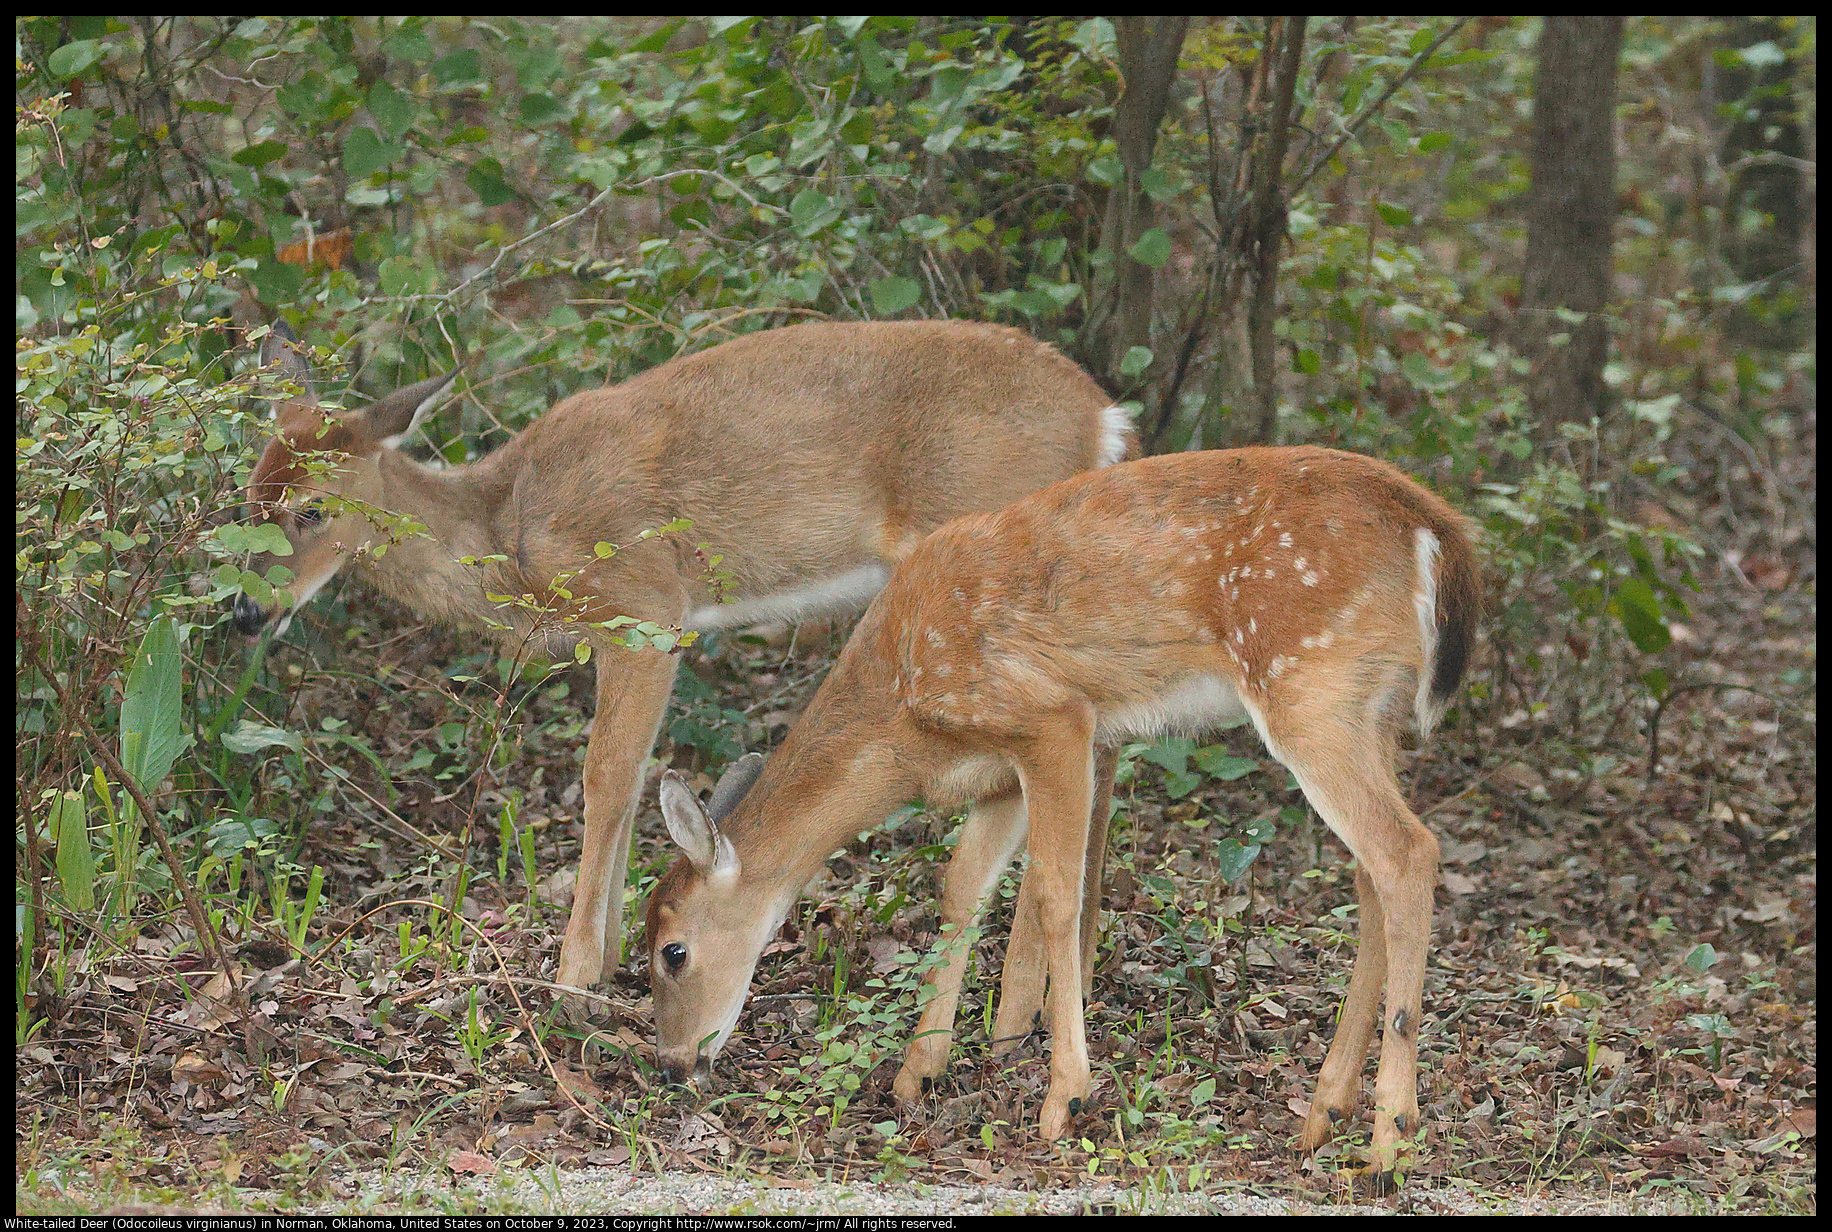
x: 694, y: 832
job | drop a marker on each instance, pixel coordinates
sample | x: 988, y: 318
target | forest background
x: 284, y: 910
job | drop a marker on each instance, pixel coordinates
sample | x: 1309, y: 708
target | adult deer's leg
x: 1021, y: 985
x: 633, y: 690
x: 1056, y: 768
x: 989, y: 838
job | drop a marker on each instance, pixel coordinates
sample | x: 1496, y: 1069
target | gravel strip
x: 615, y: 1191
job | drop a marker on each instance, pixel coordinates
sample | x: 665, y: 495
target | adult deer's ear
x: 388, y: 420
x: 736, y: 780
x: 283, y: 349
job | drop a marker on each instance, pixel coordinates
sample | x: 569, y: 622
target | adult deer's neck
x: 459, y: 508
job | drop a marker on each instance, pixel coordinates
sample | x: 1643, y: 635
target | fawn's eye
x: 674, y: 956
x: 311, y: 513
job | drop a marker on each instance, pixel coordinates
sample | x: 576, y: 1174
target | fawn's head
x: 319, y: 476
x: 706, y: 926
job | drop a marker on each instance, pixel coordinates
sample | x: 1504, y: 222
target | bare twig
x: 1418, y: 62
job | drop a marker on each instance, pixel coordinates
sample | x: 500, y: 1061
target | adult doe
x: 812, y: 458
x: 1322, y: 595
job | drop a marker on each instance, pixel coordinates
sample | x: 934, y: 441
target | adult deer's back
x: 811, y: 458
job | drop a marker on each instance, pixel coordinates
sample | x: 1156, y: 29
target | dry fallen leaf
x: 470, y: 1162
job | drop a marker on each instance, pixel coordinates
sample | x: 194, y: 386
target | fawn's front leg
x: 989, y: 838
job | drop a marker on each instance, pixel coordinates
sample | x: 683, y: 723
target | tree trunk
x: 1571, y: 210
x: 1148, y: 50
x: 1765, y: 217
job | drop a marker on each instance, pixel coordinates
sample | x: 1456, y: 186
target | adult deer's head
x: 319, y: 477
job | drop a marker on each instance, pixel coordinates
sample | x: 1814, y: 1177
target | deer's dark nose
x: 250, y: 617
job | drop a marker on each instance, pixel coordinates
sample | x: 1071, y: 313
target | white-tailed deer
x: 811, y: 458
x: 1323, y: 595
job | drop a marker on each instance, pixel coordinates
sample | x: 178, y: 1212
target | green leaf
x: 152, y: 731
x: 1218, y: 763
x: 812, y: 211
x: 259, y: 154
x: 1157, y: 185
x: 251, y: 737
x: 72, y: 58
x: 1232, y: 858
x: 1170, y: 753
x: 393, y: 110
x: 69, y: 826
x: 1153, y: 248
x: 876, y: 66
x: 892, y: 295
x: 539, y: 109
x: 1638, y: 611
x: 1394, y: 215
x: 1702, y: 957
x: 364, y: 152
x: 250, y: 540
x: 1106, y: 170
x: 1422, y: 373
x: 457, y: 67
x: 1135, y: 361
x: 1180, y: 783
x: 485, y: 178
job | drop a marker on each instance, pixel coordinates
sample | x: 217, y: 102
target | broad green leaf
x: 538, y: 109
x: 485, y: 178
x: 811, y: 211
x: 72, y: 58
x: 1232, y: 858
x: 460, y: 66
x: 1135, y: 361
x: 251, y: 737
x: 392, y: 109
x: 75, y: 857
x: 892, y: 295
x: 1180, y: 783
x: 1218, y: 763
x: 152, y: 732
x: 1153, y: 248
x: 1171, y: 753
x: 249, y: 540
x: 1394, y: 215
x: 1157, y: 185
x: 1638, y: 611
x: 260, y: 153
